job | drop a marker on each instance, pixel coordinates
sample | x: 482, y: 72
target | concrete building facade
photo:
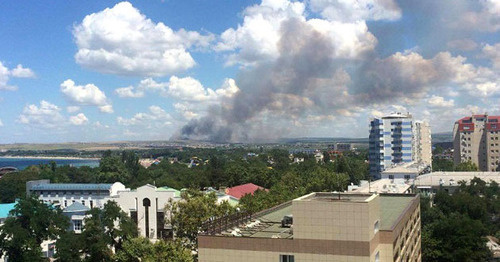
x: 63, y: 195
x: 146, y: 206
x: 390, y: 142
x: 476, y: 138
x: 422, y: 143
x: 449, y: 180
x: 325, y: 227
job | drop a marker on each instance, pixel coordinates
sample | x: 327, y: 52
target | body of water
x: 22, y: 163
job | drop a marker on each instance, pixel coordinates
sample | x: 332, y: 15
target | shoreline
x: 51, y: 157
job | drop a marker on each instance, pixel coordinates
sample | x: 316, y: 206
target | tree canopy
x: 29, y: 224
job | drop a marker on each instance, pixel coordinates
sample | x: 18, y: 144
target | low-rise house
x: 76, y: 213
x: 221, y: 196
x: 241, y: 190
x: 319, y: 157
x: 297, y: 160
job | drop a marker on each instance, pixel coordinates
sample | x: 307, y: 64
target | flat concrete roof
x: 269, y: 225
x: 391, y: 207
x: 452, y: 178
x: 408, y: 168
x: 336, y: 197
x: 384, y: 185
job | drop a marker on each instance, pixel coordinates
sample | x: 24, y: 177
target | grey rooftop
x: 80, y: 187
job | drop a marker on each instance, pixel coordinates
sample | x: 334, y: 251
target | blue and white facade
x: 64, y: 195
x: 390, y: 142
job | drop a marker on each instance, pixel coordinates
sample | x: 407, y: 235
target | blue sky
x: 240, y: 70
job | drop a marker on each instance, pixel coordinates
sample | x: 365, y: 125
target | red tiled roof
x: 241, y: 190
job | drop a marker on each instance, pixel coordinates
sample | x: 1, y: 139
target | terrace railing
x: 218, y: 225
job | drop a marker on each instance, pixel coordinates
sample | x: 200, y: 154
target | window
x: 391, y: 176
x: 65, y: 203
x: 376, y: 227
x: 287, y: 258
x: 83, y: 202
x: 77, y: 225
x: 377, y: 257
x: 91, y: 204
x: 407, y: 177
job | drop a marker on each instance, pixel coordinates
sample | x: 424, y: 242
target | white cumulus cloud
x: 46, y: 115
x: 156, y: 115
x: 439, y: 101
x: 86, y: 95
x: 355, y: 10
x: 147, y: 84
x: 78, y: 120
x: 190, y: 89
x: 492, y: 52
x: 121, y: 40
x: 22, y: 72
x: 257, y: 39
x: 18, y: 72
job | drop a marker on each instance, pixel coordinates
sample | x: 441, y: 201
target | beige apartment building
x: 476, y: 139
x: 320, y: 227
x: 422, y: 147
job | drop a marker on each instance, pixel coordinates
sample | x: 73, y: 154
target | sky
x: 241, y: 71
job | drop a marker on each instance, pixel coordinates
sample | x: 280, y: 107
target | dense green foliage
x: 30, y: 223
x: 455, y: 226
x: 218, y: 168
x: 104, y: 230
x: 195, y: 208
x: 142, y: 250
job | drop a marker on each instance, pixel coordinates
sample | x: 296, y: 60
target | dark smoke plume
x: 304, y: 55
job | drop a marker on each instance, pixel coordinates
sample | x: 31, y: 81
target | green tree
x: 441, y: 164
x: 188, y: 214
x: 29, y: 224
x: 112, y: 169
x: 69, y: 247
x: 141, y: 249
x: 466, y: 166
x: 105, y: 228
x: 13, y: 185
x: 455, y: 238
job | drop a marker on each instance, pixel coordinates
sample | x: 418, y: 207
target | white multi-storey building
x: 145, y: 205
x: 422, y: 144
x: 396, y: 138
x: 63, y: 195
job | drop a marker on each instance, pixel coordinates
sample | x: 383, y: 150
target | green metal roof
x: 177, y: 193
